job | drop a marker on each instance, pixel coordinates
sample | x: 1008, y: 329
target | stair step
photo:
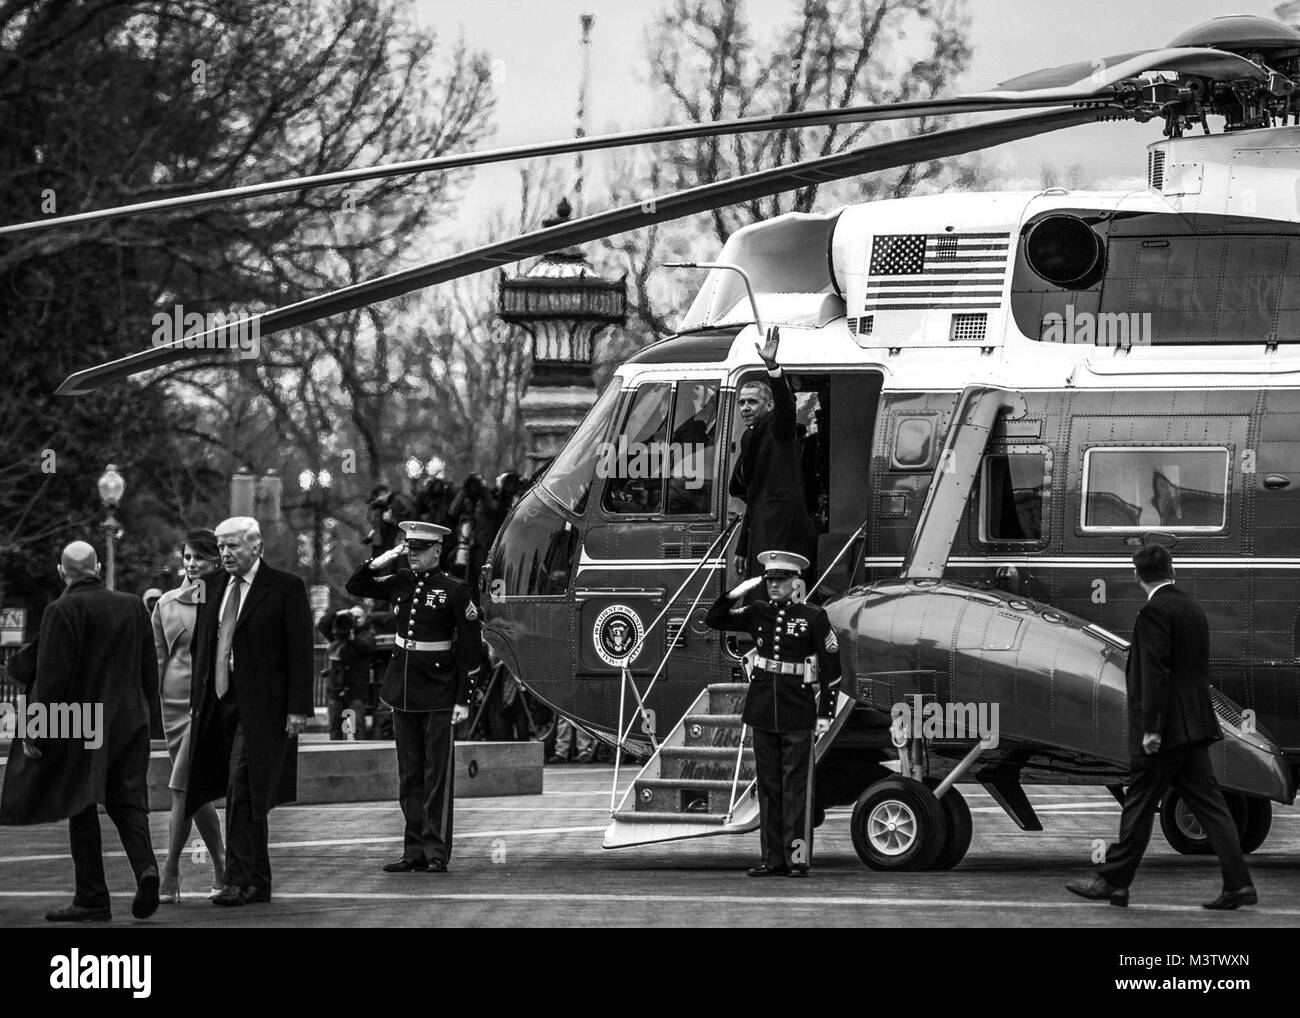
x: 726, y: 697
x: 675, y: 795
x: 713, y: 730
x: 703, y: 763
x: 649, y: 817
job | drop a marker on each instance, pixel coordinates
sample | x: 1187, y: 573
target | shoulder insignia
x: 471, y: 612
x: 832, y: 644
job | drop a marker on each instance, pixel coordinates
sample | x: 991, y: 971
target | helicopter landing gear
x: 898, y: 824
x: 1252, y: 815
x: 902, y: 823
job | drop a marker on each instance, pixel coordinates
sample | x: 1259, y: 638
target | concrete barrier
x: 367, y: 771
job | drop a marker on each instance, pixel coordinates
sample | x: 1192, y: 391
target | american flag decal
x: 916, y: 271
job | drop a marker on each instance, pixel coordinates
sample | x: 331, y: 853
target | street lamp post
x: 316, y: 493
x: 111, y: 486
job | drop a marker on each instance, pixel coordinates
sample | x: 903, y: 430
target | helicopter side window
x: 693, y: 449
x: 1012, y: 498
x: 634, y: 463
x: 1164, y: 488
x: 914, y: 444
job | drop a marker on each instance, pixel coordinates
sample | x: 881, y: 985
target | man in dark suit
x: 767, y: 475
x: 1171, y: 724
x: 95, y: 648
x: 251, y: 695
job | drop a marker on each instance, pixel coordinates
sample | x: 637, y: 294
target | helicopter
x: 1004, y: 395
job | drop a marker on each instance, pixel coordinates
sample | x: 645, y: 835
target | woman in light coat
x: 173, y: 625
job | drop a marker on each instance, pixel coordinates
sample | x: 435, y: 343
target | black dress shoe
x: 437, y: 866
x: 257, y: 896
x: 1100, y: 889
x: 75, y: 913
x: 798, y: 871
x: 768, y: 871
x: 145, y: 903
x: 1233, y: 899
x: 230, y: 896
x: 406, y: 866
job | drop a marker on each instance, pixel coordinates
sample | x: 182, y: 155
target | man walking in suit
x: 251, y: 695
x: 96, y: 649
x: 1171, y: 724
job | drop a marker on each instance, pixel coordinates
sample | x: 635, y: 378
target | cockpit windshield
x: 568, y: 478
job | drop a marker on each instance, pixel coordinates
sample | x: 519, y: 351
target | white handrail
x: 626, y: 677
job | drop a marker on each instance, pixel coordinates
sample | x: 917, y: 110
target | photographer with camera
x: 351, y: 652
x: 386, y: 509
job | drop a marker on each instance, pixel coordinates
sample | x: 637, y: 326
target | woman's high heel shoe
x: 171, y: 897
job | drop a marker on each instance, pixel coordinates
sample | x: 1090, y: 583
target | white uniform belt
x: 782, y: 667
x: 406, y: 644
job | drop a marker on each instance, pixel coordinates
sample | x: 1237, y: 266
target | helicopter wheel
x: 1183, y: 831
x: 1259, y: 819
x: 960, y: 827
x: 898, y: 824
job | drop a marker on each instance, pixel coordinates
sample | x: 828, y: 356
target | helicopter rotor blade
x: 1107, y: 72
x: 747, y: 125
x: 865, y: 159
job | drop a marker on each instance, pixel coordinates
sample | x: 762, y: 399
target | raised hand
x: 768, y: 350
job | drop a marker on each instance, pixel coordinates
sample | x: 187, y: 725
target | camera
x: 343, y: 624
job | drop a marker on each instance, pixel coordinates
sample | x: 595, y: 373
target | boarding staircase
x: 700, y: 779
x: 699, y: 782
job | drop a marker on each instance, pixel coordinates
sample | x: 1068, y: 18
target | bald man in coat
x: 95, y: 648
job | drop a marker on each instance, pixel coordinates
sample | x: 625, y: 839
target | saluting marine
x: 782, y: 705
x: 427, y: 684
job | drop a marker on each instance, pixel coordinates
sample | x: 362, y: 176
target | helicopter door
x: 654, y: 517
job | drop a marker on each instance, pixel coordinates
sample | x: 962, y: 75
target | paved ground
x: 537, y: 860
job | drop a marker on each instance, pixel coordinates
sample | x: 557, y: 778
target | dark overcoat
x: 769, y: 478
x: 272, y: 679
x: 95, y: 647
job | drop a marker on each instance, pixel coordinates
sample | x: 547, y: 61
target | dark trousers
x: 1187, y: 769
x: 781, y: 762
x: 425, y: 749
x: 132, y: 823
x: 248, y: 856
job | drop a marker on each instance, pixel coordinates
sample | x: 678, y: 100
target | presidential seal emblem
x: 618, y: 629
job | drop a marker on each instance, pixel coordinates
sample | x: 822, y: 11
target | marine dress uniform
x: 782, y: 707
x: 437, y: 654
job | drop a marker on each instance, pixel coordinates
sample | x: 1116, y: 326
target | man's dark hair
x: 1153, y: 563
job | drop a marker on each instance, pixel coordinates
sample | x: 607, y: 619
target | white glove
x: 388, y: 556
x: 744, y: 588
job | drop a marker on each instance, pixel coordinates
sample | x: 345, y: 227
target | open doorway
x: 836, y: 415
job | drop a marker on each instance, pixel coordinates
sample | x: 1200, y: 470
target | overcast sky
x: 536, y: 44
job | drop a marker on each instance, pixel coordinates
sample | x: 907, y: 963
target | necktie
x: 226, y: 638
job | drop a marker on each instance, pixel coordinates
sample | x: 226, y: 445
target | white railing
x: 627, y: 679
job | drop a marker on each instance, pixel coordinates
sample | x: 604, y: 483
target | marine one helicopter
x: 1004, y: 395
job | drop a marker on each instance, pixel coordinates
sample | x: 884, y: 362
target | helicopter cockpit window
x: 1161, y: 488
x: 569, y: 476
x: 1012, y: 502
x: 633, y: 463
x: 653, y: 468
